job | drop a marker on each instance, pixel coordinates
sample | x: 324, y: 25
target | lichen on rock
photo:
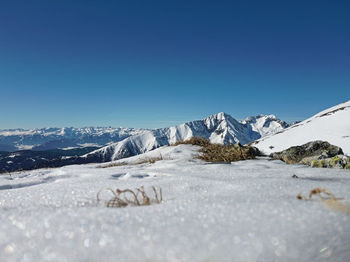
x: 315, y: 154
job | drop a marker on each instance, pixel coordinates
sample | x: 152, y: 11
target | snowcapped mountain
x: 331, y: 125
x: 265, y: 124
x: 80, y: 144
x: 52, y: 138
x: 219, y: 128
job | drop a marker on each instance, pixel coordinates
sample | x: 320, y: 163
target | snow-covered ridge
x: 331, y: 125
x: 218, y: 128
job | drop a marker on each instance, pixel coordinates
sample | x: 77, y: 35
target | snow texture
x: 331, y: 125
x: 244, y: 211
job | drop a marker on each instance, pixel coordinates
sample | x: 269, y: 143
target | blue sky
x: 159, y: 63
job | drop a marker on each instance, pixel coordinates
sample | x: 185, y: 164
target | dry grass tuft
x: 126, y: 197
x: 113, y: 165
x: 149, y: 160
x: 228, y: 153
x: 221, y: 153
x: 329, y: 200
x: 196, y: 141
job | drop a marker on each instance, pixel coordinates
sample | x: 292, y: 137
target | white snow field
x: 331, y: 125
x: 243, y: 211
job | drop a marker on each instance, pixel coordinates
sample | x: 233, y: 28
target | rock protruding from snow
x: 296, y: 154
x: 315, y: 154
x: 331, y: 125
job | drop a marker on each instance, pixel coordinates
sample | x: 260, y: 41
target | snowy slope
x: 219, y: 128
x: 332, y: 125
x: 244, y: 211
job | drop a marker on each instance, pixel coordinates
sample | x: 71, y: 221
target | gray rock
x: 308, y: 152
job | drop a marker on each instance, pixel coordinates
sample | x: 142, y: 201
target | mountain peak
x: 219, y: 116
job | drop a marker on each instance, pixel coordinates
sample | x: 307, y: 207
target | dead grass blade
x: 318, y: 191
x: 160, y: 198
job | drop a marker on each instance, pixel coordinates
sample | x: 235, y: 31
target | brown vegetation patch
x: 222, y: 153
x: 126, y: 197
x: 196, y: 141
x: 148, y: 160
x: 113, y: 165
x: 228, y: 153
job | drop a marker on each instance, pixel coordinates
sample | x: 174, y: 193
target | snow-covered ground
x: 244, y: 211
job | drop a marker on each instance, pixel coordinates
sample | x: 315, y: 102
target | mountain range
x: 45, y: 145
x: 51, y: 147
x: 68, y: 137
x: 219, y: 128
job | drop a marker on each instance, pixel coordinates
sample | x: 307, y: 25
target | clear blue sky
x: 160, y: 63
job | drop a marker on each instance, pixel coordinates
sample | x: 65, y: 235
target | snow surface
x: 244, y: 211
x: 331, y: 125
